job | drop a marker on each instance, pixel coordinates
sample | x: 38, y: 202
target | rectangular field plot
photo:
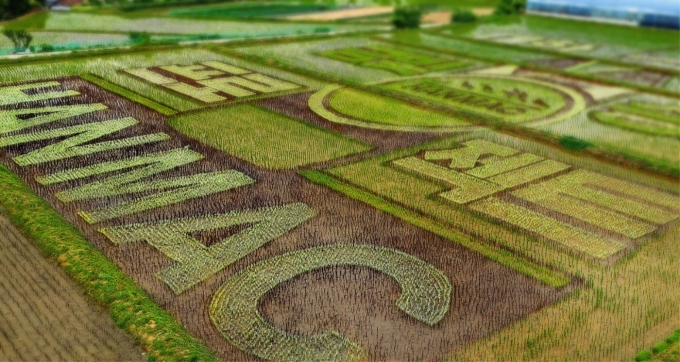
x: 358, y: 59
x: 579, y: 210
x: 265, y: 138
x: 229, y: 79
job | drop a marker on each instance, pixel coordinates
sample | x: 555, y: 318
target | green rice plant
x: 170, y: 192
x: 644, y: 117
x: 540, y: 273
x: 379, y: 112
x: 129, y: 95
x: 81, y: 134
x: 265, y: 138
x: 398, y: 61
x: 548, y: 227
x: 11, y: 120
x: 129, y: 306
x: 15, y: 94
x: 546, y: 195
x: 528, y: 173
x: 588, y: 186
x: 194, y: 262
x: 425, y: 296
x: 573, y: 143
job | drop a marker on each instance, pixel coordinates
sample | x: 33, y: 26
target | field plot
x: 265, y: 138
x: 176, y: 88
x: 620, y: 74
x: 66, y: 40
x: 587, y: 39
x: 186, y: 222
x: 637, y: 125
x: 170, y: 25
x: 353, y: 59
x: 44, y: 315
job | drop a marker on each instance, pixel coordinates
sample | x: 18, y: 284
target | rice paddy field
x: 240, y: 186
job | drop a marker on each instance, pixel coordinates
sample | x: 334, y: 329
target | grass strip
x: 545, y: 275
x: 130, y: 307
x: 128, y: 94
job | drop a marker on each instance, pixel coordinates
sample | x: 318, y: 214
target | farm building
x: 653, y: 13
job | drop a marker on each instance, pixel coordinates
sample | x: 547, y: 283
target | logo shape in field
x: 580, y: 209
x: 394, y: 60
x: 644, y: 117
x: 486, y: 97
x: 212, y: 81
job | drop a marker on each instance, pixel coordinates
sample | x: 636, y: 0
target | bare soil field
x: 45, y: 316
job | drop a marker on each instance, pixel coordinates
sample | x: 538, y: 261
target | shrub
x: 674, y: 337
x: 20, y: 38
x: 407, y: 17
x: 644, y: 355
x: 510, y: 7
x: 463, y: 16
x: 138, y: 37
x: 660, y: 347
x: 573, y: 143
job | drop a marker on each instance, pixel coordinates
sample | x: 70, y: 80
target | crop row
x: 586, y: 186
x: 194, y: 262
x: 426, y: 294
x: 565, y: 234
x: 546, y: 195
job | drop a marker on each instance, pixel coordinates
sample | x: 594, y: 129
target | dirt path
x: 45, y: 316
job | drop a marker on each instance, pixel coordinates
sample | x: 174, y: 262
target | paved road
x: 44, y: 316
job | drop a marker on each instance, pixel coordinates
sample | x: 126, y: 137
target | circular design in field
x: 491, y: 98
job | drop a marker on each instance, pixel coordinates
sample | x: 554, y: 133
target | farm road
x: 43, y: 313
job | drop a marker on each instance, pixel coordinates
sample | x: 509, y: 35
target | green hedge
x: 130, y: 307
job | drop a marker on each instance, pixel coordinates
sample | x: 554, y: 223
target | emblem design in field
x: 212, y: 81
x: 493, y: 98
x: 541, y: 42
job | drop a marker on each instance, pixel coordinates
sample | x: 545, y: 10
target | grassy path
x: 43, y: 313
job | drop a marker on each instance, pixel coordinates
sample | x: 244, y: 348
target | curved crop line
x: 426, y: 295
x: 316, y: 104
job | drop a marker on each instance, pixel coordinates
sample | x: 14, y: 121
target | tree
x: 510, y: 7
x: 10, y: 9
x: 407, y: 17
x: 20, y: 38
x: 463, y: 16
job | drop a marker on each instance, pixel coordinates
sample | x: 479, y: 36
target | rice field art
x: 493, y: 191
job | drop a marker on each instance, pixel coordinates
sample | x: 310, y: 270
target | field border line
x: 506, y: 258
x: 156, y: 330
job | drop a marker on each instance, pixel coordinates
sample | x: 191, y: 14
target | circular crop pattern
x: 491, y: 98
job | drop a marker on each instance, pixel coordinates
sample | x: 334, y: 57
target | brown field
x: 45, y: 316
x: 357, y: 302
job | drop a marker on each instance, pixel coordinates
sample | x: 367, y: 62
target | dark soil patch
x: 357, y: 302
